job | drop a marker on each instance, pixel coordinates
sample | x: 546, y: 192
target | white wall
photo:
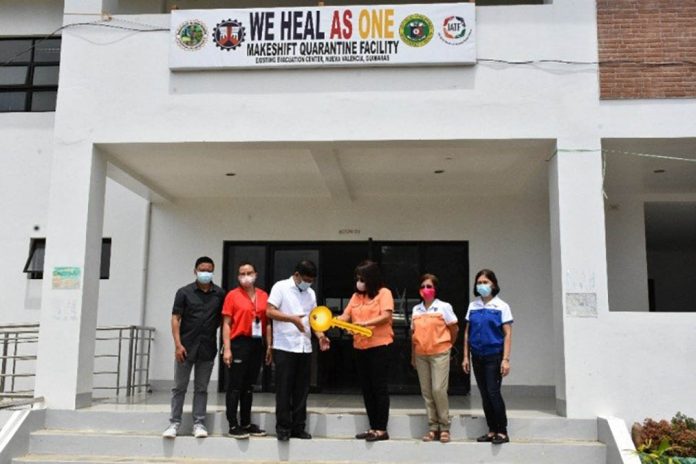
x: 30, y: 17
x: 638, y: 366
x: 511, y: 241
x: 121, y: 297
x: 27, y: 141
x: 502, y: 101
x: 626, y: 256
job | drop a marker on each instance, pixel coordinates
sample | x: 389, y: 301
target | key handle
x: 321, y: 319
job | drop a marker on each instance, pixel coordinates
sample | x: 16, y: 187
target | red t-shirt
x: 242, y: 311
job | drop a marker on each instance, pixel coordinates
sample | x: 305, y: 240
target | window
x: 29, y: 74
x: 37, y: 250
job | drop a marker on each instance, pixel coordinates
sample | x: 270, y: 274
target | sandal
x: 431, y: 436
x: 499, y: 439
x: 445, y: 436
x: 486, y: 438
x: 364, y: 435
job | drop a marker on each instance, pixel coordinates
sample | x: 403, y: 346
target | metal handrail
x: 135, y: 337
x: 16, y: 341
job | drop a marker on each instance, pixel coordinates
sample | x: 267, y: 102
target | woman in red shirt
x: 243, y: 332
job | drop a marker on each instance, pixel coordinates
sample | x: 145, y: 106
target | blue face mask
x: 204, y: 277
x: 303, y: 285
x: 483, y: 289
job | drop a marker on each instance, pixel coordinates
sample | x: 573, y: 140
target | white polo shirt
x: 290, y: 300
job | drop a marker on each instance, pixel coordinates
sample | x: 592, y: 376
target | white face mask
x: 204, y: 277
x: 247, y: 280
x: 361, y: 286
x: 304, y: 285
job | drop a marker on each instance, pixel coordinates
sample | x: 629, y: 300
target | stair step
x: 143, y: 446
x: 329, y: 425
x: 70, y: 459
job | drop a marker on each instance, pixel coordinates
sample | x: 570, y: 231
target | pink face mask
x: 427, y: 293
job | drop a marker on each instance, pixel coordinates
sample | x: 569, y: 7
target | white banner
x: 379, y: 35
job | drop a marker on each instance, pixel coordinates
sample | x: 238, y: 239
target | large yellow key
x: 321, y: 319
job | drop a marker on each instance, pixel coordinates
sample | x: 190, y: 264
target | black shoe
x: 376, y: 436
x: 363, y: 435
x: 254, y: 430
x: 283, y: 436
x: 238, y: 433
x: 485, y: 438
x: 499, y: 439
x: 301, y: 435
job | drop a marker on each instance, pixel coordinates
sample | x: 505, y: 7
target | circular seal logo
x: 191, y: 35
x: 454, y: 30
x: 416, y: 30
x: 228, y: 35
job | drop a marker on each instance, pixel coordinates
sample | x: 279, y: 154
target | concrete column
x: 71, y: 277
x: 97, y: 7
x: 579, y: 270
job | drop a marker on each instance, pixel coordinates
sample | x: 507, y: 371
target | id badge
x: 256, y: 331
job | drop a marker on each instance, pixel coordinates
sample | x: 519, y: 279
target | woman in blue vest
x: 488, y: 338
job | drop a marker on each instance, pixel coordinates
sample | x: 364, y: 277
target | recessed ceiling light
x: 231, y: 174
x: 439, y: 171
x: 659, y: 171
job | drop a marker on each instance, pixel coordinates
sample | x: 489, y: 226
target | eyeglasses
x: 426, y: 286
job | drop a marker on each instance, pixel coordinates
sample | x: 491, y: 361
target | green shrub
x: 657, y: 441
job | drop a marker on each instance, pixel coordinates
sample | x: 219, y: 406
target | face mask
x: 361, y: 286
x: 483, y: 289
x: 303, y: 285
x: 247, y: 280
x: 427, y: 293
x: 204, y: 277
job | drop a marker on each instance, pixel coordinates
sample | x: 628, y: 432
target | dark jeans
x: 373, y: 371
x: 292, y: 388
x: 247, y: 356
x: 489, y: 379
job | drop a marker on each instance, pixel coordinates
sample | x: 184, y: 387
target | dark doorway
x: 402, y: 263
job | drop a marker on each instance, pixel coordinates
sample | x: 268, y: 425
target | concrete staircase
x: 134, y: 436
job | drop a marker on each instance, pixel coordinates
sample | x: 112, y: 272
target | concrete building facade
x: 550, y: 185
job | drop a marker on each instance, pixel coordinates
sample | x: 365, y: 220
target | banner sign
x: 379, y: 35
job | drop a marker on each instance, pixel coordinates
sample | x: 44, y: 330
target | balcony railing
x: 122, y: 359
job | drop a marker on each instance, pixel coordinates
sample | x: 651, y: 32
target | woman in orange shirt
x: 434, y: 328
x: 372, y: 306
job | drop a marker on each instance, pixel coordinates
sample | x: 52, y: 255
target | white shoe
x: 171, y: 431
x: 199, y: 431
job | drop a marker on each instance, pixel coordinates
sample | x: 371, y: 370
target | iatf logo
x: 416, y: 30
x: 228, y: 35
x: 454, y: 30
x: 191, y: 35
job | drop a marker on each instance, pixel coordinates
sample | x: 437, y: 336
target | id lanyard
x: 256, y: 329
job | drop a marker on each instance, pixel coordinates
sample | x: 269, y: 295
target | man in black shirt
x: 195, y: 319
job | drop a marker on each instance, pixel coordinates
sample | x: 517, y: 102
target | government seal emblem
x: 416, y: 30
x: 454, y: 30
x: 191, y: 35
x: 229, y: 34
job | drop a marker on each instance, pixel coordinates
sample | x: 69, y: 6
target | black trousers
x: 489, y: 379
x: 373, y: 371
x: 292, y: 387
x: 247, y: 356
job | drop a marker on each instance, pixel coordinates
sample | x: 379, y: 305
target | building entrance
x: 402, y: 263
